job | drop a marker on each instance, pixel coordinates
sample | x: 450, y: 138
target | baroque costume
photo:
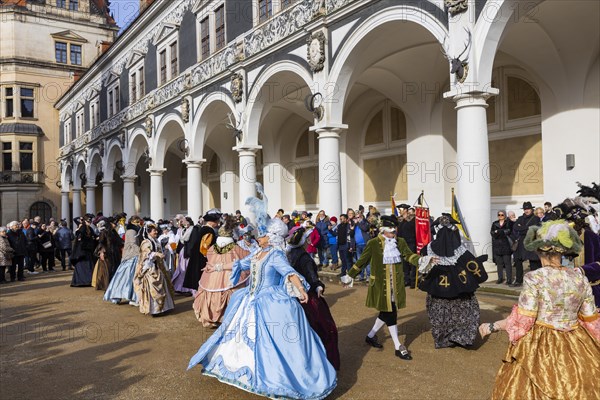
x: 121, y: 285
x: 82, y: 257
x: 386, y: 291
x: 196, y: 248
x: 215, y: 287
x: 265, y: 344
x: 152, y: 285
x: 554, y: 330
x: 316, y: 309
x: 450, y: 284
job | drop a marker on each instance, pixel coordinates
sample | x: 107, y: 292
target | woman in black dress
x: 82, y: 257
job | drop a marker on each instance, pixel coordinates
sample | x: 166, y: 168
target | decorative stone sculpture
x: 316, y: 51
x: 237, y: 87
x: 455, y: 7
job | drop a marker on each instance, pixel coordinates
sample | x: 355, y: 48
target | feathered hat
x: 265, y: 225
x: 228, y: 227
x: 553, y: 236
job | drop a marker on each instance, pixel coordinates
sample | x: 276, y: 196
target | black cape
x: 197, y: 260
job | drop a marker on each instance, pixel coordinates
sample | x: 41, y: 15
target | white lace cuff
x: 425, y: 264
x: 347, y: 280
x: 292, y: 290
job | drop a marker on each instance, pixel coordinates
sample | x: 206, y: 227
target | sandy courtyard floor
x: 58, y: 342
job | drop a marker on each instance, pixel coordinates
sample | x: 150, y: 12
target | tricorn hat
x: 213, y: 214
x: 389, y: 221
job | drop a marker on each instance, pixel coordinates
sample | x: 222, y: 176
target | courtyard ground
x: 58, y: 342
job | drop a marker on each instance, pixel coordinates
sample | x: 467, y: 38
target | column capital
x: 65, y: 193
x: 194, y: 163
x: 472, y: 94
x: 247, y: 150
x: 90, y: 187
x: 156, y: 171
x: 337, y: 128
x: 130, y: 178
x: 107, y: 183
x: 76, y: 190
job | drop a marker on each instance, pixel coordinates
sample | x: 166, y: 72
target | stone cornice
x: 253, y: 44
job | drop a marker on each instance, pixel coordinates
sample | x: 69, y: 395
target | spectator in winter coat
x: 46, y: 248
x: 6, y: 254
x: 322, y: 224
x: 332, y: 232
x: 18, y: 242
x: 501, y: 248
x: 64, y: 238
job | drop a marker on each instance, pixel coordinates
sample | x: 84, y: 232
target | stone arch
x: 78, y: 170
x: 114, y: 154
x: 343, y: 70
x: 138, y: 143
x: 258, y: 99
x: 170, y: 129
x: 206, y: 119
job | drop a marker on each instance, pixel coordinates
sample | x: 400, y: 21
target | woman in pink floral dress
x: 554, y: 330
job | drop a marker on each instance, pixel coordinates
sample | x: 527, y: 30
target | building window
x: 26, y: 156
x: 6, y: 156
x: 163, y: 67
x: 74, y: 5
x: 27, y: 101
x: 61, y: 3
x: 114, y: 105
x: 136, y: 84
x: 67, y: 132
x: 60, y: 49
x: 174, y: 62
x: 265, y: 10
x: 94, y: 114
x: 79, y: 124
x: 76, y: 54
x: 205, y: 38
x: 220, y: 27
x: 10, y: 105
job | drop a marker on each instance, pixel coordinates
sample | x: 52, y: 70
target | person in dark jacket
x: 195, y: 249
x: 287, y: 220
x: 501, y: 248
x: 18, y: 242
x: 359, y: 236
x: 408, y: 232
x: 321, y: 225
x: 46, y: 248
x: 63, y: 238
x: 31, y: 244
x: 316, y: 309
x: 519, y: 232
x: 343, y: 242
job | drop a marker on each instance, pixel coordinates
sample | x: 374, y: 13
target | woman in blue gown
x: 120, y: 287
x: 265, y: 344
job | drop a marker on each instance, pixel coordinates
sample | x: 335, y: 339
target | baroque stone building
x: 335, y: 103
x: 45, y: 45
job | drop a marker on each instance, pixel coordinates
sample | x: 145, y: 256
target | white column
x: 330, y: 181
x: 65, y: 207
x: 107, y: 198
x: 129, y: 195
x: 90, y: 199
x: 472, y: 157
x: 247, y: 176
x: 77, y: 203
x: 194, y: 188
x: 157, y: 207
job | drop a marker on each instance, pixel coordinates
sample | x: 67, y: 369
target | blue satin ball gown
x: 265, y: 344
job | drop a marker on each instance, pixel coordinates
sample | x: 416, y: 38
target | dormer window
x: 73, y: 5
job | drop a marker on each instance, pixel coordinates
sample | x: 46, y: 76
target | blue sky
x: 124, y: 11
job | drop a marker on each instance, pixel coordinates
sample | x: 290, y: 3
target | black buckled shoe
x: 403, y: 354
x: 373, y: 342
